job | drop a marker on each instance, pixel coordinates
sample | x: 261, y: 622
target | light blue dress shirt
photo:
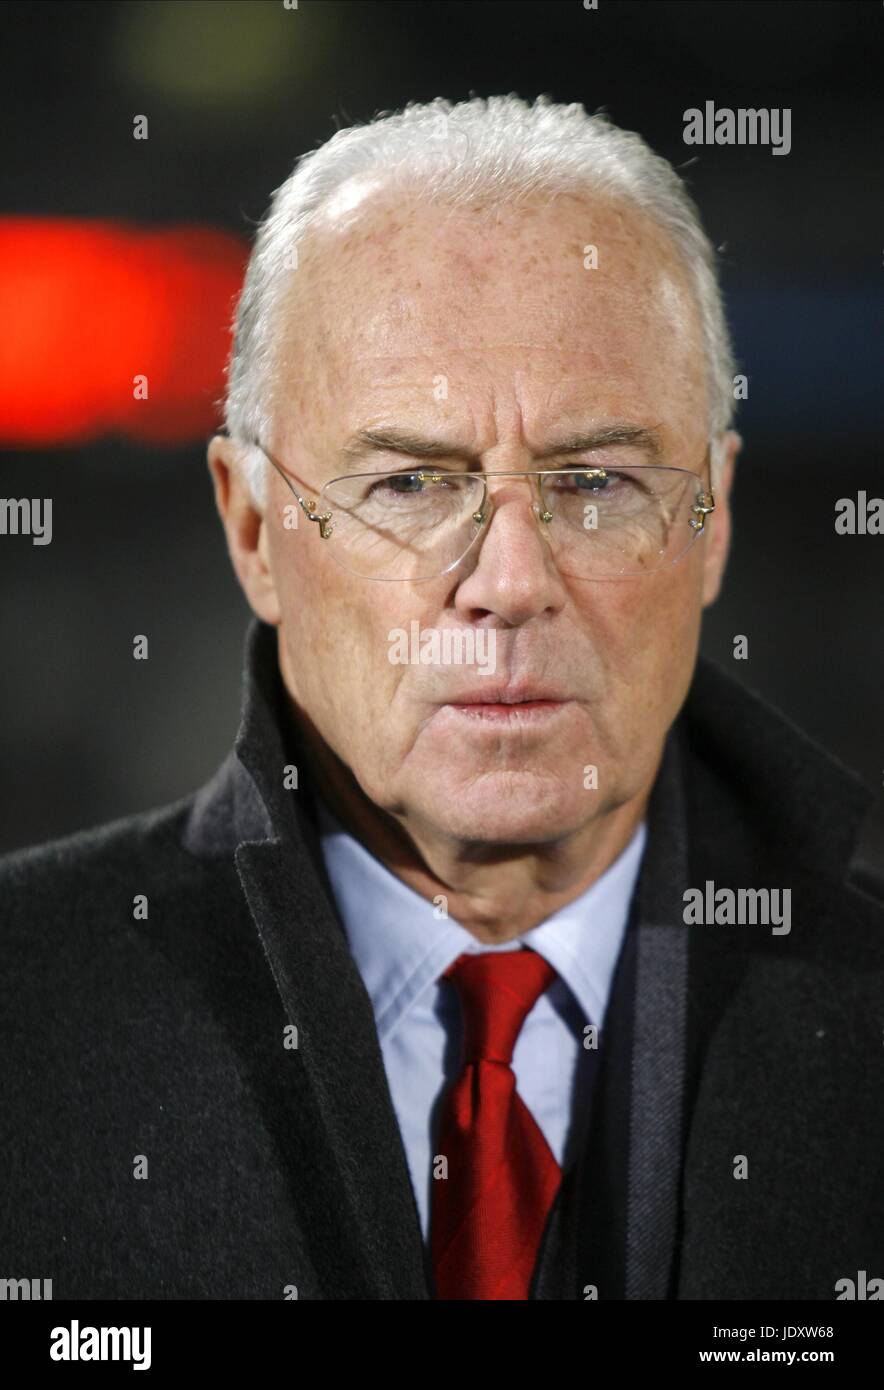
x: 402, y: 945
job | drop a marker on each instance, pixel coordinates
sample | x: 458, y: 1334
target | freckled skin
x: 388, y: 297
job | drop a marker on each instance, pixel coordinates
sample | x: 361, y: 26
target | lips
x: 516, y: 694
x: 515, y: 705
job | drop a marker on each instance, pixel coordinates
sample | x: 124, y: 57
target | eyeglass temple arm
x: 323, y: 519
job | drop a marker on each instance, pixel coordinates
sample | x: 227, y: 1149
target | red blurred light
x: 88, y: 306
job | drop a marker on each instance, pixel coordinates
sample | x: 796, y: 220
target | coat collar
x: 787, y: 801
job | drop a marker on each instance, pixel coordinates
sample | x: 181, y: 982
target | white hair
x: 499, y: 148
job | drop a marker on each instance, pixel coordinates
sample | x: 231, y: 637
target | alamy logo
x: 745, y: 126
x: 13, y: 1290
x: 447, y: 646
x: 27, y: 517
x: 76, y: 1343
x: 862, y: 516
x: 771, y: 907
x: 861, y: 1288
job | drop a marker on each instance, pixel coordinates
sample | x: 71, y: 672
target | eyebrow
x: 398, y: 441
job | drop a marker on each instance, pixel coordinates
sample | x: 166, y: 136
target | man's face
x: 531, y: 346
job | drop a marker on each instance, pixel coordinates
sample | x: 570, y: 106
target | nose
x: 512, y: 574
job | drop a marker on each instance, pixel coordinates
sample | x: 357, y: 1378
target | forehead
x: 542, y: 296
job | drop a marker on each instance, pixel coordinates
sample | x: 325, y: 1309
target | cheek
x: 337, y: 639
x: 671, y: 635
x: 646, y: 632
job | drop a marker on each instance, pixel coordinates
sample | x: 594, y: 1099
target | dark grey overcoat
x: 735, y: 1140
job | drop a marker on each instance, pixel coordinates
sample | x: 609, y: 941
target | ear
x: 717, y: 540
x: 245, y: 526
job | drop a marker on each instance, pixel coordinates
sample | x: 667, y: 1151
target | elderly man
x: 512, y: 953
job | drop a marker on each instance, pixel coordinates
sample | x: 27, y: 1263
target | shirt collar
x: 402, y: 943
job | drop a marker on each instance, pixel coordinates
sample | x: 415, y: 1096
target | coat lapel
x: 630, y: 1170
x: 362, y: 1173
x: 354, y: 1195
x: 659, y: 1035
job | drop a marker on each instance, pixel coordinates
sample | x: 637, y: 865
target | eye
x: 419, y: 484
x: 594, y: 480
x: 604, y: 480
x: 397, y: 485
x: 404, y: 482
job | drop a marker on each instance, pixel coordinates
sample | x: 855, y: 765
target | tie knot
x: 497, y: 989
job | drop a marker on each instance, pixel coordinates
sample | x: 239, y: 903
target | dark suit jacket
x: 271, y: 1167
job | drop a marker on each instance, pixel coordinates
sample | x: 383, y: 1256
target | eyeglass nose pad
x: 485, y: 512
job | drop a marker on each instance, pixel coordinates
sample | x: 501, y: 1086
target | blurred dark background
x: 234, y: 92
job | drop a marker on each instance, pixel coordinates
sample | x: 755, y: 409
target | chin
x: 508, y: 808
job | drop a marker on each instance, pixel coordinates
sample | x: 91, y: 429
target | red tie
x: 489, y: 1213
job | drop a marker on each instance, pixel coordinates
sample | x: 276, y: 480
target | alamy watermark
x: 744, y: 126
x: 768, y: 907
x: 447, y: 646
x: 862, y: 1288
x: 76, y: 1343
x: 25, y: 1290
x: 859, y: 516
x: 27, y: 516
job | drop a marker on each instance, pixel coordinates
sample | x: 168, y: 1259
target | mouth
x: 508, y: 705
x: 511, y: 712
